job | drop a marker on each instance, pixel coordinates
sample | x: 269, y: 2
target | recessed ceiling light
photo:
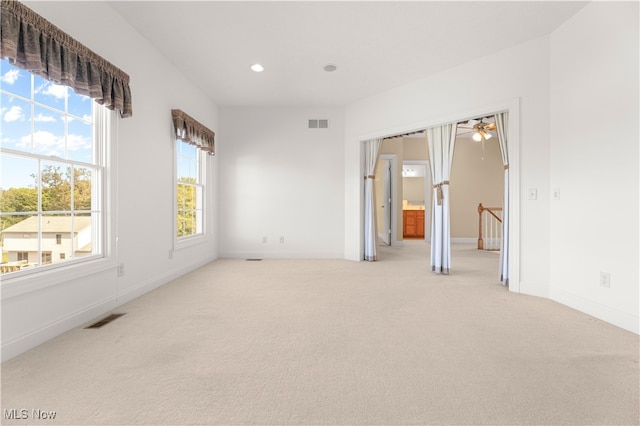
x: 330, y: 68
x: 257, y: 67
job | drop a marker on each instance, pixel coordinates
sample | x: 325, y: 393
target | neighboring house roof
x: 57, y: 224
x: 85, y: 249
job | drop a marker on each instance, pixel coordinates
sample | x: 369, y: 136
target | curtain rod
x: 403, y: 134
x: 422, y: 131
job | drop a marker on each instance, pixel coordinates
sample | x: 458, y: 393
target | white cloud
x: 85, y: 117
x: 55, y: 90
x: 10, y: 76
x: 78, y: 142
x: 47, y: 143
x: 45, y: 118
x: 14, y: 114
x: 44, y: 143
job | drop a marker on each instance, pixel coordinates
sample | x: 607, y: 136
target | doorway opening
x: 416, y: 200
x: 511, y: 139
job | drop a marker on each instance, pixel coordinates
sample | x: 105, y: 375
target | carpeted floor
x: 335, y: 342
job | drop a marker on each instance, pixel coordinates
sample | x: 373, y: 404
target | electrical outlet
x: 120, y: 269
x: 605, y: 279
x: 282, y: 239
x: 556, y: 193
x: 264, y: 240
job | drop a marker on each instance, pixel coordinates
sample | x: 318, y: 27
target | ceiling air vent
x: 318, y: 124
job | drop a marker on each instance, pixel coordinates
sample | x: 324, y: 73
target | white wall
x: 280, y: 178
x: 476, y: 177
x: 594, y: 161
x: 143, y: 201
x: 413, y: 190
x: 517, y: 76
x: 577, y: 92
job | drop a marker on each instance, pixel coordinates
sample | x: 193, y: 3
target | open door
x: 386, y: 203
x: 385, y: 199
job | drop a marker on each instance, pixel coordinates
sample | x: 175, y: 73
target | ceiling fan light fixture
x: 477, y: 137
x: 487, y: 136
x: 257, y: 68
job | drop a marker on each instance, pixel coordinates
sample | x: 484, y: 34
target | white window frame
x: 33, y: 279
x: 202, y: 236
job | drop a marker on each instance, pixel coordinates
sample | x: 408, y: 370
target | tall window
x: 52, y: 158
x: 189, y: 190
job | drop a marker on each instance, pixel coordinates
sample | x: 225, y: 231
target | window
x: 53, y: 162
x: 192, y: 141
x: 189, y: 190
x: 46, y: 257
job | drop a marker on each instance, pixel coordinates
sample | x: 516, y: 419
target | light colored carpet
x: 334, y: 342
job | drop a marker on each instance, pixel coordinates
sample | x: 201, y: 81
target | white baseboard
x: 464, y: 240
x: 625, y: 320
x: 30, y: 340
x: 21, y: 344
x: 279, y: 255
x: 160, y: 280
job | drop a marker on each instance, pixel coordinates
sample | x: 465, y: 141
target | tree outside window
x: 51, y: 169
x: 189, y: 190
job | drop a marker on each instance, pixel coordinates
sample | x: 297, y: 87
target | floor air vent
x: 105, y: 321
x: 253, y: 260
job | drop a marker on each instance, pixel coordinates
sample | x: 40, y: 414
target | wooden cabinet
x: 413, y: 223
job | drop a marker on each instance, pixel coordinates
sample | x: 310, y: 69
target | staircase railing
x: 489, y: 227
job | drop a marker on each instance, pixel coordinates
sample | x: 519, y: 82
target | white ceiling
x: 375, y: 45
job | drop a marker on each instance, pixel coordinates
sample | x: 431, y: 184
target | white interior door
x: 387, y: 203
x: 427, y: 203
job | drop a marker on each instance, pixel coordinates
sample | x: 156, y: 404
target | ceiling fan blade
x: 469, y: 122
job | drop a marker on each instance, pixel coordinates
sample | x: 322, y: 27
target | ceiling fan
x: 481, y: 130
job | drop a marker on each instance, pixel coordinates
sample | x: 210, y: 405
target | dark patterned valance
x: 34, y: 44
x: 192, y: 132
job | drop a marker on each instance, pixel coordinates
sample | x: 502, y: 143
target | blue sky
x: 187, y: 160
x: 55, y: 106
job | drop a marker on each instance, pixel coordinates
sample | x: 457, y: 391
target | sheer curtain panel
x: 371, y: 150
x: 502, y: 127
x: 189, y: 130
x: 36, y: 45
x: 441, y: 141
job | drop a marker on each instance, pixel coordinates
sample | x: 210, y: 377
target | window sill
x: 24, y: 284
x: 187, y: 242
